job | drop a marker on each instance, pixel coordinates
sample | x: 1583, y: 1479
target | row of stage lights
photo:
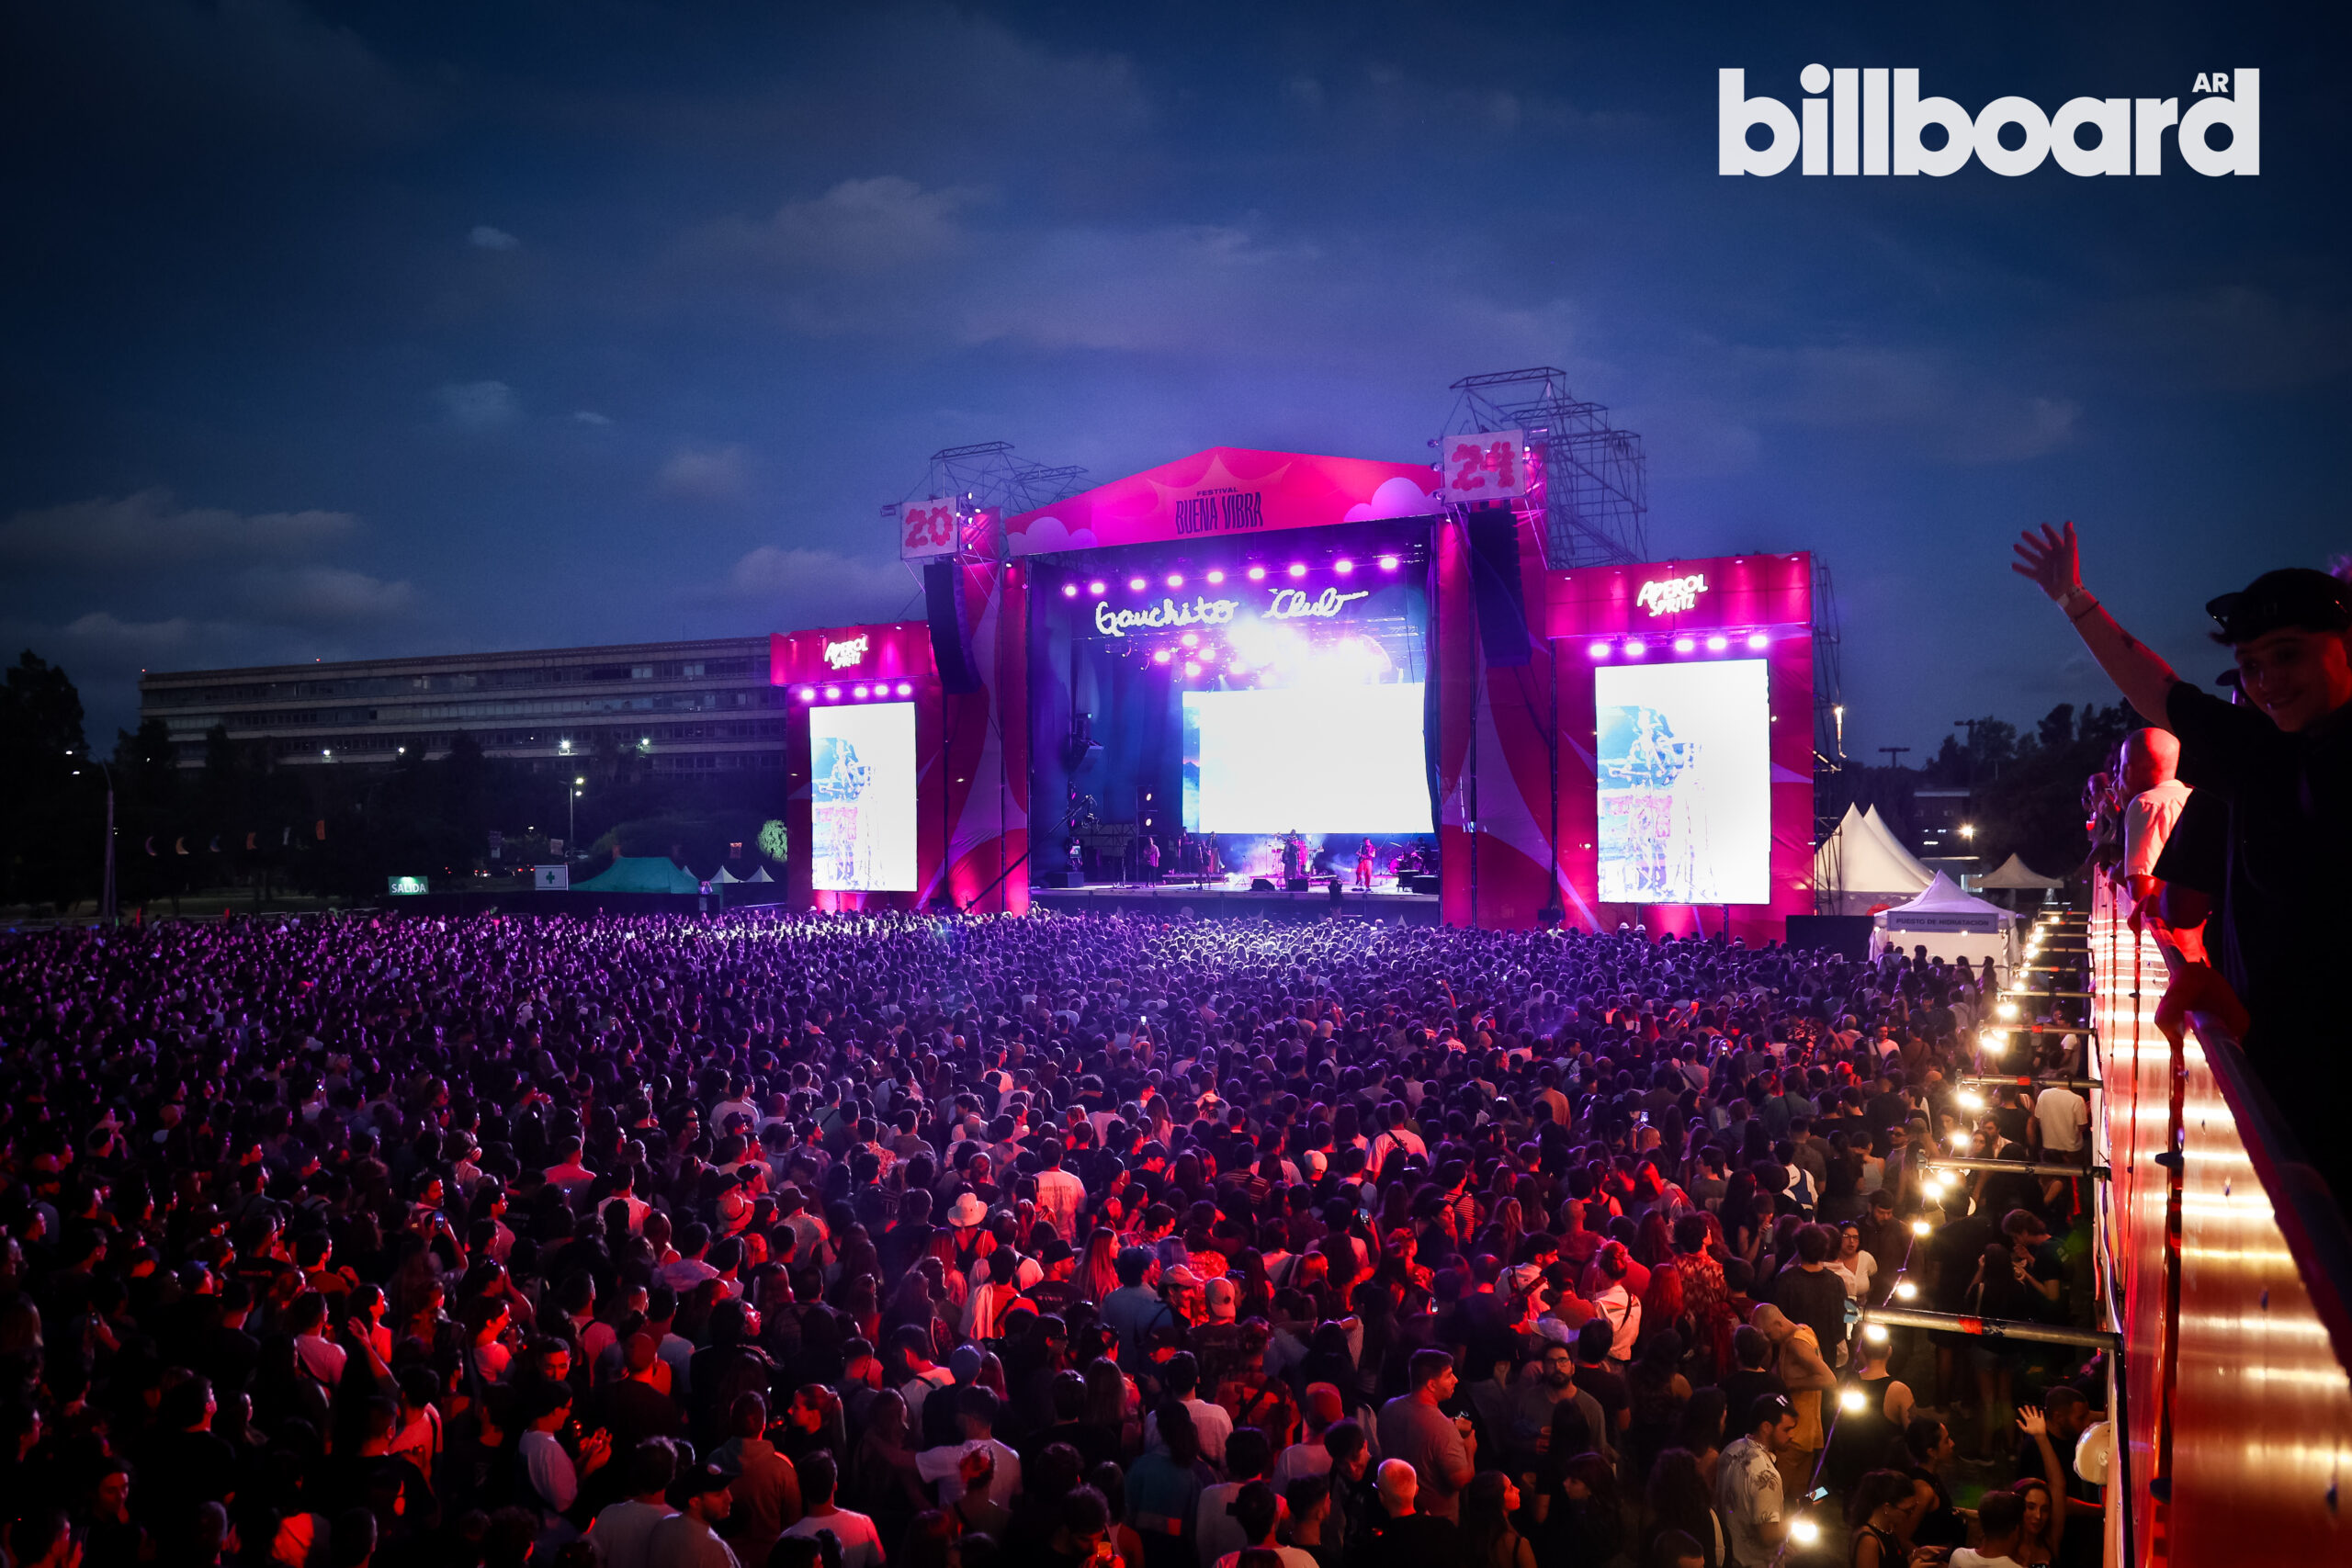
x: 863, y: 692
x: 1215, y: 576
x: 1634, y: 647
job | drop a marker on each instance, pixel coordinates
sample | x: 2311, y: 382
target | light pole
x: 106, y: 886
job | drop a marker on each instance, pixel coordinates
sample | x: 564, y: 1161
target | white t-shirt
x: 2147, y: 823
x: 1856, y: 1271
x: 861, y: 1542
x: 2063, y: 1115
x: 1968, y: 1557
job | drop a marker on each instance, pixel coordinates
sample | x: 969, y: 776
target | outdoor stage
x: 1184, y: 900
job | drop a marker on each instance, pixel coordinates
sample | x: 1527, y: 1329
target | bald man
x: 1402, y: 1536
x: 2151, y: 758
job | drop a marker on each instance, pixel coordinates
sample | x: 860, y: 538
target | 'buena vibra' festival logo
x: 1874, y: 121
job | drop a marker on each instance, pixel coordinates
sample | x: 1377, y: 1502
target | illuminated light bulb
x: 1805, y: 1532
x: 1216, y: 576
x: 1717, y: 644
x: 1598, y: 651
x: 832, y: 694
x: 1136, y: 584
x: 1388, y: 563
x: 1636, y: 647
x: 1852, y: 1399
x: 1175, y: 579
x: 1875, y: 1333
x: 808, y: 694
x: 1906, y: 1290
x: 1297, y: 568
x: 1069, y: 590
x: 1257, y: 574
x: 1684, y: 644
x: 1161, y: 658
x: 857, y: 691
x: 1098, y: 586
x: 1191, y: 639
x: 905, y: 688
x: 1343, y: 566
x: 1920, y: 1227
x: 2009, y: 1010
x: 1191, y: 668
x: 1961, y: 1142
x: 1759, y: 642
x: 1971, y: 1100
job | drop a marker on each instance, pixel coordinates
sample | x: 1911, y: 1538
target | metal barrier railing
x: 2228, y: 1272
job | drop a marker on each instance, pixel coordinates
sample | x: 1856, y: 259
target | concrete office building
x: 677, y: 707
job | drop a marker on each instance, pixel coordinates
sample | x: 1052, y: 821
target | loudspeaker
x: 1073, y: 877
x: 1261, y: 885
x: 1495, y: 586
x: 951, y: 627
x: 1298, y: 884
x: 1420, y: 882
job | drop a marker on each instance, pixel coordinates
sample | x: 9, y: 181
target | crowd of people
x: 942, y: 1242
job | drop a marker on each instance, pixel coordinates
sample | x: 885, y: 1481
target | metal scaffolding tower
x: 1596, y: 481
x: 989, y: 475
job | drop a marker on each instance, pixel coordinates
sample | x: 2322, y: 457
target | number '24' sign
x: 1488, y: 465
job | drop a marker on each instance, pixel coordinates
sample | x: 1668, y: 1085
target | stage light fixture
x: 808, y: 694
x: 1636, y: 647
x: 1191, y: 639
x: 1685, y: 644
x: 1298, y: 569
x: 1597, y: 651
x: 1069, y: 590
x: 1717, y: 644
x: 1388, y: 563
x: 1161, y: 658
x: 857, y: 692
x: 1257, y: 574
x: 1175, y: 579
x: 906, y: 689
x: 1758, y: 641
x: 1216, y: 575
x: 1343, y: 566
x: 1191, y: 668
x: 1097, y: 587
x: 1136, y: 584
x: 832, y: 694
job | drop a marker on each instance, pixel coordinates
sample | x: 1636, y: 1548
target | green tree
x: 49, y: 819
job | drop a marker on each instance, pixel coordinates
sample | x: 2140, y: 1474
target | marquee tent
x: 1861, y: 867
x: 1951, y: 925
x: 2014, y: 873
x: 641, y: 873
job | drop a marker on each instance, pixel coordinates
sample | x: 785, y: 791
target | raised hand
x: 2049, y: 560
x: 2032, y: 1421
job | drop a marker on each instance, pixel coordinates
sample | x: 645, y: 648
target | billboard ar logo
x: 1874, y: 121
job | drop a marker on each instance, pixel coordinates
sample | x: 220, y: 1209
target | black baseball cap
x: 2300, y: 597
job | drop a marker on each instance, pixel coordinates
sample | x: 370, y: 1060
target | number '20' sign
x: 934, y: 529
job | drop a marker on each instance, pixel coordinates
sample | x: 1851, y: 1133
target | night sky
x: 340, y: 330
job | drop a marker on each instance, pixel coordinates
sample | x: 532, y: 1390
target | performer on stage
x: 1293, y: 856
x: 1151, y: 859
x: 1364, y: 855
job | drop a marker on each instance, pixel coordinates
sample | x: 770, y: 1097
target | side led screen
x: 1314, y: 759
x: 862, y: 775
x: 1684, y: 760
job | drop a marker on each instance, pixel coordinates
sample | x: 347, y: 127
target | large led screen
x: 1684, y: 760
x: 1315, y: 759
x: 862, y: 775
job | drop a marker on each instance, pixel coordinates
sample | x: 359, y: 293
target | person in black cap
x: 2283, y: 762
x: 688, y: 1539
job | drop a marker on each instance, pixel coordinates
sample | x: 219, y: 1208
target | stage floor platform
x: 1184, y: 899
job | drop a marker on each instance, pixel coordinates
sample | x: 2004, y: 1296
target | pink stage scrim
x: 1226, y: 491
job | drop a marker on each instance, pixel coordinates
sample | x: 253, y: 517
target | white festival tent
x: 2015, y: 873
x: 1951, y: 925
x: 1860, y: 867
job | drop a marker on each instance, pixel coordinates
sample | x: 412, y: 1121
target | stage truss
x: 989, y: 476
x: 1596, y: 479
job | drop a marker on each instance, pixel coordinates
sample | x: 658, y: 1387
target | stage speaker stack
x: 1299, y: 884
x: 951, y: 627
x: 1419, y: 882
x: 1495, y: 586
x: 1262, y: 884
